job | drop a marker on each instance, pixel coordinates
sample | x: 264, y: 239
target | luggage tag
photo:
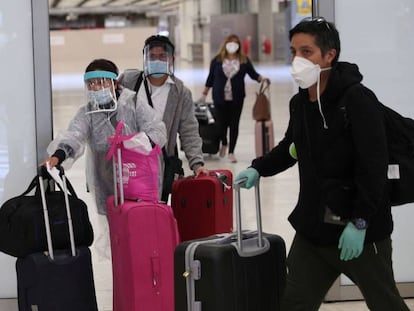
x: 223, y: 180
x: 54, y: 172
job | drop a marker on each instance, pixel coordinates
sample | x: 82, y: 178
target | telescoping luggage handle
x: 46, y: 214
x: 247, y: 245
x: 117, y: 173
x: 118, y: 197
x: 256, y: 244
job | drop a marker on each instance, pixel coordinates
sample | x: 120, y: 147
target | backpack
x: 400, y: 142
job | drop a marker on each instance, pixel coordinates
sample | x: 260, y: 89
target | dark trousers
x: 312, y: 271
x: 228, y: 116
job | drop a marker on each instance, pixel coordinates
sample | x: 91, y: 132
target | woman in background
x: 226, y: 76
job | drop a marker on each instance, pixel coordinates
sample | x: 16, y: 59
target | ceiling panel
x: 121, y: 2
x: 65, y: 7
x: 63, y: 4
x: 94, y: 3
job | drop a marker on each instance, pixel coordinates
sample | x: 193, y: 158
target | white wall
x: 382, y: 44
x: 73, y: 50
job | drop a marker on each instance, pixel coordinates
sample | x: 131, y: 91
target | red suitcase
x: 143, y: 238
x: 264, y: 137
x: 203, y: 205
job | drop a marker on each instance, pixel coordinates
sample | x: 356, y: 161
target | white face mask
x: 304, y: 72
x: 232, y: 47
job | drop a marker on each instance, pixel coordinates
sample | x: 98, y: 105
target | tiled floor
x: 278, y: 193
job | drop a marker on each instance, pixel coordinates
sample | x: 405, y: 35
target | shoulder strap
x: 264, y: 85
x: 34, y: 184
x: 148, y: 93
x: 138, y: 85
x: 139, y: 81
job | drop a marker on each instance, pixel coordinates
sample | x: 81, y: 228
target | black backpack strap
x: 139, y: 81
x: 148, y: 93
x: 138, y: 85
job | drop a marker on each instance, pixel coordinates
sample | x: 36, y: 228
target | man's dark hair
x: 102, y: 64
x: 325, y: 33
x: 158, y: 40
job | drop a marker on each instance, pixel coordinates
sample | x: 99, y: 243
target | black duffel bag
x: 22, y: 223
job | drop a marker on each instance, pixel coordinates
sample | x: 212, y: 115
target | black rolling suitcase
x: 245, y: 271
x: 58, y: 280
x: 208, y: 127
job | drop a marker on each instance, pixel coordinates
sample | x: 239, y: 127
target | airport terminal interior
x: 278, y: 194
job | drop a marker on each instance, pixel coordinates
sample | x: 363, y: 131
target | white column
x: 265, y: 27
x: 189, y: 18
x: 25, y: 129
x: 382, y: 45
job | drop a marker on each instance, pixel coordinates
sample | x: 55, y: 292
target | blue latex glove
x: 351, y: 242
x: 252, y: 176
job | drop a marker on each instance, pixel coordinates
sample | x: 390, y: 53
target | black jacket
x: 217, y: 80
x: 342, y: 167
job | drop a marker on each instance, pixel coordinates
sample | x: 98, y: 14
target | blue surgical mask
x: 101, y: 97
x: 100, y: 100
x: 157, y: 68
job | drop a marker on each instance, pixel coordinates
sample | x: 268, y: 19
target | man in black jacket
x: 343, y: 218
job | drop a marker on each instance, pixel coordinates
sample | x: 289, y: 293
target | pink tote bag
x: 139, y: 171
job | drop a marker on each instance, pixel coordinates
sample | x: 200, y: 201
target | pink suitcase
x: 143, y: 239
x: 203, y: 205
x: 264, y: 137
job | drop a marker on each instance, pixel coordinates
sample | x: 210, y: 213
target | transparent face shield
x: 100, y: 91
x: 158, y: 60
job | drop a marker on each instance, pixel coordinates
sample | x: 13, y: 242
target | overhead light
x: 68, y: 3
x: 121, y: 2
x: 170, y: 2
x: 92, y: 3
x: 148, y: 2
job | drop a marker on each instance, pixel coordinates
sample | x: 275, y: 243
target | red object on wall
x: 267, y: 46
x: 246, y: 45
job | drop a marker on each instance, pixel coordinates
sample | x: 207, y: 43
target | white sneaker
x: 232, y: 158
x: 223, y: 151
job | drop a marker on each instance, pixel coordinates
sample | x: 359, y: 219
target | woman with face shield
x: 100, y: 91
x: 95, y: 121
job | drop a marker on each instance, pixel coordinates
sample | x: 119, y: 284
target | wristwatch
x: 360, y: 223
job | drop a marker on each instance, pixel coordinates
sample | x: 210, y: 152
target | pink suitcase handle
x: 117, y: 139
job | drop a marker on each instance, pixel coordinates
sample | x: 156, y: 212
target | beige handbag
x: 261, y: 108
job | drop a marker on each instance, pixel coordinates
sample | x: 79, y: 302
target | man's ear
x: 330, y: 55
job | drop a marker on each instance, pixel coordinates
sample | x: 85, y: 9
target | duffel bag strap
x: 42, y: 171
